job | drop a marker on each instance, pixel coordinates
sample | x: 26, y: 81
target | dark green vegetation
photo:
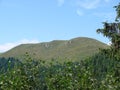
x: 8, y: 63
x: 73, y: 49
x: 101, y: 71
x: 112, y: 30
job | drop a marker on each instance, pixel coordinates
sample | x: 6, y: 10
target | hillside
x: 76, y: 48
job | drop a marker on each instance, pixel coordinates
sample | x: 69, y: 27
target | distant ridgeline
x: 74, y: 49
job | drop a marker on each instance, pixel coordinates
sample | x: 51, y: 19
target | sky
x: 35, y: 21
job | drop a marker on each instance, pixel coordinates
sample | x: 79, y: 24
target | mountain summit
x: 76, y: 48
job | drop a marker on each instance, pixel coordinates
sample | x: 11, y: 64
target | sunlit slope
x: 73, y: 49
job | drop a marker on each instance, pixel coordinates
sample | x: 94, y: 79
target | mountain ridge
x: 76, y: 48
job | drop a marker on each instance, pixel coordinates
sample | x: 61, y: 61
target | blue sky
x: 33, y: 21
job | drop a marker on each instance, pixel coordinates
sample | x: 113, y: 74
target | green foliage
x: 118, y: 12
x: 99, y: 72
x: 112, y: 30
x: 7, y: 63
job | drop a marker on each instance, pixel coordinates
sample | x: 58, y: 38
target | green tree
x: 112, y: 30
x: 118, y: 12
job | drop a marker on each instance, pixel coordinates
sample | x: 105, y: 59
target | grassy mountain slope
x: 76, y: 48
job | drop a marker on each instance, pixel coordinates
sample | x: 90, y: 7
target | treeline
x: 7, y: 63
x: 99, y: 72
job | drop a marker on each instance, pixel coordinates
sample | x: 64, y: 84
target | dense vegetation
x: 98, y: 72
x: 9, y: 63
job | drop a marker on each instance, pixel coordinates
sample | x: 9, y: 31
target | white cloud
x: 79, y: 12
x: 7, y: 46
x: 88, y: 4
x: 61, y: 2
x: 84, y: 5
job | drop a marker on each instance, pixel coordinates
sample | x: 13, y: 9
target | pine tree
x: 112, y: 30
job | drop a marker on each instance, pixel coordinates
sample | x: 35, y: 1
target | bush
x: 99, y: 72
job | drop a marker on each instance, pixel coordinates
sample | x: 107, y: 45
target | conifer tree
x: 112, y: 30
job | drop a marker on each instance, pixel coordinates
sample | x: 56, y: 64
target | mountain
x: 0, y: 53
x: 73, y: 49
